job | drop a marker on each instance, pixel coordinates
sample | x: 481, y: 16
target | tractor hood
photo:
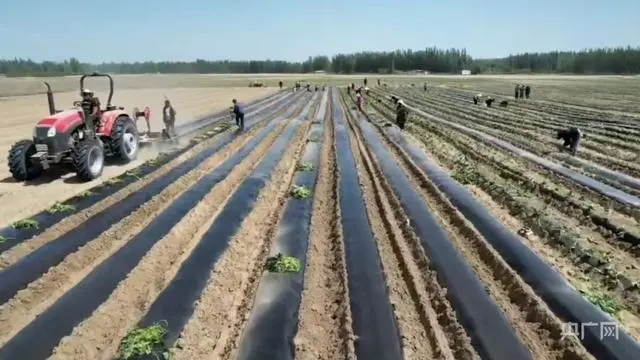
x: 63, y: 121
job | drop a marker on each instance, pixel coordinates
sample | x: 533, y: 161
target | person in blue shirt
x: 238, y: 110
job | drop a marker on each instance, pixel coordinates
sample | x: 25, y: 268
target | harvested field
x: 321, y: 233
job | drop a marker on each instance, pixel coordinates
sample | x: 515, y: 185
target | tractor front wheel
x: 88, y: 159
x: 20, y: 164
x: 124, y: 139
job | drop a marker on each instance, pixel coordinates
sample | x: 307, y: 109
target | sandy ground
x: 21, y: 113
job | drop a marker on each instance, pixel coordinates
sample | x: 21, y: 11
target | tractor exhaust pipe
x: 52, y: 105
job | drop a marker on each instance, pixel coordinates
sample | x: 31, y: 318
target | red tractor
x: 69, y: 136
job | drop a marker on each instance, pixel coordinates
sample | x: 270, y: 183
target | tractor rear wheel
x: 88, y: 159
x: 124, y: 142
x: 20, y: 164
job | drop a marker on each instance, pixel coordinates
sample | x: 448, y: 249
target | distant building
x: 466, y: 72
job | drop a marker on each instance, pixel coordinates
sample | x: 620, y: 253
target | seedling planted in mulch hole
x: 113, y: 181
x: 300, y: 192
x: 25, y: 224
x: 144, y: 341
x: 87, y: 193
x: 283, y: 264
x: 604, y: 302
x: 313, y: 139
x: 2, y: 239
x: 134, y: 173
x: 305, y: 166
x: 60, y: 208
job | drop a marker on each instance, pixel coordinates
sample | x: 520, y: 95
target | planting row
x: 567, y: 225
x: 313, y: 234
x: 618, y: 152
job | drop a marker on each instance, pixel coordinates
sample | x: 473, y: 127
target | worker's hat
x: 86, y: 91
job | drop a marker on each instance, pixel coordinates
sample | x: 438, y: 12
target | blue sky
x: 136, y: 30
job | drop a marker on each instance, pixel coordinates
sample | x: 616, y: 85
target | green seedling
x: 300, y: 192
x: 152, y: 162
x: 2, y: 239
x: 305, y: 166
x: 113, y: 181
x: 87, y: 193
x: 60, y: 208
x: 144, y: 341
x: 133, y: 173
x: 313, y: 139
x: 604, y: 302
x: 283, y: 264
x: 25, y: 224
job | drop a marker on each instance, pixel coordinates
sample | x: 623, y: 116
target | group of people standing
x: 522, y: 91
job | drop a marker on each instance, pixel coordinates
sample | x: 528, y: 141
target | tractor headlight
x: 51, y: 132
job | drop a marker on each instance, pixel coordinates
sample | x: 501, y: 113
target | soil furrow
x: 407, y: 273
x: 324, y: 329
x: 53, y: 283
x: 374, y: 323
x: 226, y: 300
x: 269, y: 331
x: 529, y: 316
x: 135, y: 295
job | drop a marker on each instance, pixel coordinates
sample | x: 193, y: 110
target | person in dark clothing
x: 527, y: 91
x: 349, y: 90
x: 489, y: 101
x: 425, y: 86
x: 571, y: 138
x: 91, y: 109
x: 169, y: 118
x: 517, y: 91
x: 378, y: 82
x: 401, y: 114
x: 476, y: 98
x: 316, y: 88
x: 521, y: 91
x: 238, y: 110
x: 353, y: 86
x: 280, y: 84
x: 365, y: 82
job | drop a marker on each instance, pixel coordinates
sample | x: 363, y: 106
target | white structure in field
x: 466, y: 72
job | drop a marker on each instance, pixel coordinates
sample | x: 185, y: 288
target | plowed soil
x: 219, y: 248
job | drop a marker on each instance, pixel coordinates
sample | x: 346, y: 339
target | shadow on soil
x: 66, y: 172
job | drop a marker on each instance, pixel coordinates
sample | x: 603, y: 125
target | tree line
x: 433, y: 60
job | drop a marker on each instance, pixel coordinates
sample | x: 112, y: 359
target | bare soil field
x: 322, y: 232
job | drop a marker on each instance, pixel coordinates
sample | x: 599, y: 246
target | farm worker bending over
x: 517, y: 91
x: 401, y: 114
x: 169, y: 118
x: 91, y: 107
x: 238, y: 110
x: 571, y: 137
